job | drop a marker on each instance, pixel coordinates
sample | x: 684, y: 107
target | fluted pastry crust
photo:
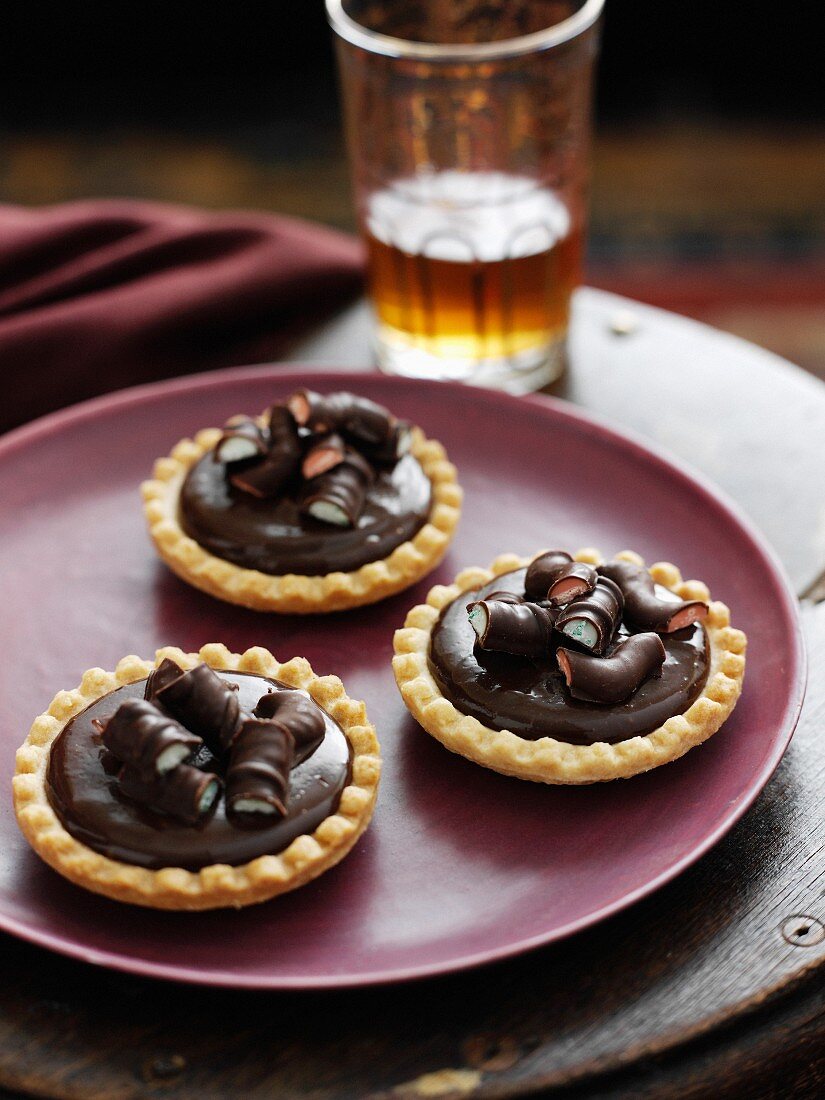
x: 217, y: 885
x: 547, y: 760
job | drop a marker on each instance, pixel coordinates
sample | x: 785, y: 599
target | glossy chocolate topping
x: 83, y: 790
x: 528, y: 695
x: 274, y: 537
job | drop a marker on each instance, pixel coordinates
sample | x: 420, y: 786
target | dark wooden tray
x: 713, y: 986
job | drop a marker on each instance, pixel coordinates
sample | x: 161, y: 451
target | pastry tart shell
x: 547, y: 760
x: 294, y: 593
x: 217, y: 885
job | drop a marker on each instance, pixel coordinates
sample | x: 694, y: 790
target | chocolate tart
x: 588, y: 743
x: 337, y: 816
x: 309, y: 567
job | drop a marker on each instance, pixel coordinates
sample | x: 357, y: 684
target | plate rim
x: 643, y: 450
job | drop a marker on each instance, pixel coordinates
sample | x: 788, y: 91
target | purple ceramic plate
x: 460, y: 866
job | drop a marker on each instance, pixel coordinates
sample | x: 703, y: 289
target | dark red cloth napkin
x: 95, y: 296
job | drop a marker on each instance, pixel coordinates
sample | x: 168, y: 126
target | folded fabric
x: 99, y: 295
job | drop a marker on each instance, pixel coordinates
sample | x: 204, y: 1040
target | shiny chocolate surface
x: 528, y: 695
x: 274, y: 537
x: 83, y: 790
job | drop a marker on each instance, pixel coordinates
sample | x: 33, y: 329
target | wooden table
x: 711, y: 987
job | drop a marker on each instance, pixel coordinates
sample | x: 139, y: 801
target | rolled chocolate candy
x: 257, y: 779
x: 542, y: 571
x: 159, y: 677
x: 642, y: 607
x: 186, y: 793
x: 146, y: 740
x: 571, y: 581
x: 205, y: 704
x: 506, y: 626
x: 358, y: 418
x: 503, y: 595
x: 324, y: 455
x: 592, y: 620
x: 397, y: 444
x: 310, y: 410
x: 338, y: 496
x: 612, y: 679
x: 243, y: 439
x: 283, y: 430
x: 297, y: 713
x: 269, y: 477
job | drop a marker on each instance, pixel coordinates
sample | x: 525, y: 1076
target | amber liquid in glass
x: 471, y: 266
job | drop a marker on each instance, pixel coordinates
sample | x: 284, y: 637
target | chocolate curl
x: 297, y: 713
x: 572, y: 581
x: 309, y: 411
x: 592, y: 620
x: 358, y: 418
x: 503, y: 595
x: 614, y: 678
x: 542, y: 571
x: 146, y: 740
x: 506, y: 626
x: 186, y: 793
x: 269, y: 477
x: 257, y: 779
x: 324, y: 455
x: 205, y: 704
x: 397, y: 444
x: 243, y: 439
x: 643, y: 608
x: 160, y: 677
x: 338, y: 496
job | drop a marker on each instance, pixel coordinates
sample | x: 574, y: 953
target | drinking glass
x: 468, y: 127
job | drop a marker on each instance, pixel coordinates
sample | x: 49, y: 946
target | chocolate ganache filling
x: 84, y: 791
x: 275, y: 537
x: 528, y: 696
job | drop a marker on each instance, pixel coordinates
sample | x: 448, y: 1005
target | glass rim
x: 374, y: 42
